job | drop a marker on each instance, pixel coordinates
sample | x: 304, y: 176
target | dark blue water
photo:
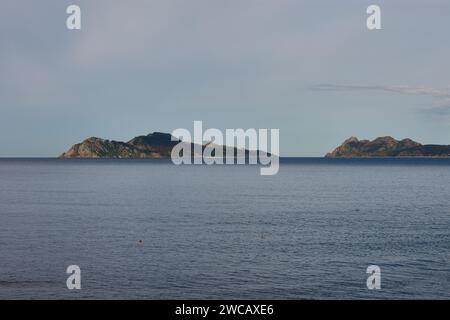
x: 225, y: 231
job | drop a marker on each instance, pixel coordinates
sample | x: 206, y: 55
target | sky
x: 309, y: 68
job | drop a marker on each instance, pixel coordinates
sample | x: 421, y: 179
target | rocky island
x: 153, y: 145
x: 387, y: 147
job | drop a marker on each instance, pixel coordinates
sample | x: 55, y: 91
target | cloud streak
x: 441, y: 96
x: 409, y: 90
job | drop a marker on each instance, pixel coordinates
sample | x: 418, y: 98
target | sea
x: 149, y: 229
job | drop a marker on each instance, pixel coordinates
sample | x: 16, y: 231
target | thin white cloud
x: 428, y: 91
x: 441, y: 96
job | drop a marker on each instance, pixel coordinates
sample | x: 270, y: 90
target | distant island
x: 387, y: 147
x: 160, y: 145
x: 153, y: 145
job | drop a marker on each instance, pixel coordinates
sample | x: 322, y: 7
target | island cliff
x: 387, y: 147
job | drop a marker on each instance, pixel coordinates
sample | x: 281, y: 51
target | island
x: 160, y: 145
x: 153, y: 145
x: 387, y: 147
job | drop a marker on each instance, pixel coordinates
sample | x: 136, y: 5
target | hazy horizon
x: 309, y: 68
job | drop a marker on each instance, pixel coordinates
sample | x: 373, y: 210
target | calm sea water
x: 225, y: 231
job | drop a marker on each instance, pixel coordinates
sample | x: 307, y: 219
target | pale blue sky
x: 309, y: 68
